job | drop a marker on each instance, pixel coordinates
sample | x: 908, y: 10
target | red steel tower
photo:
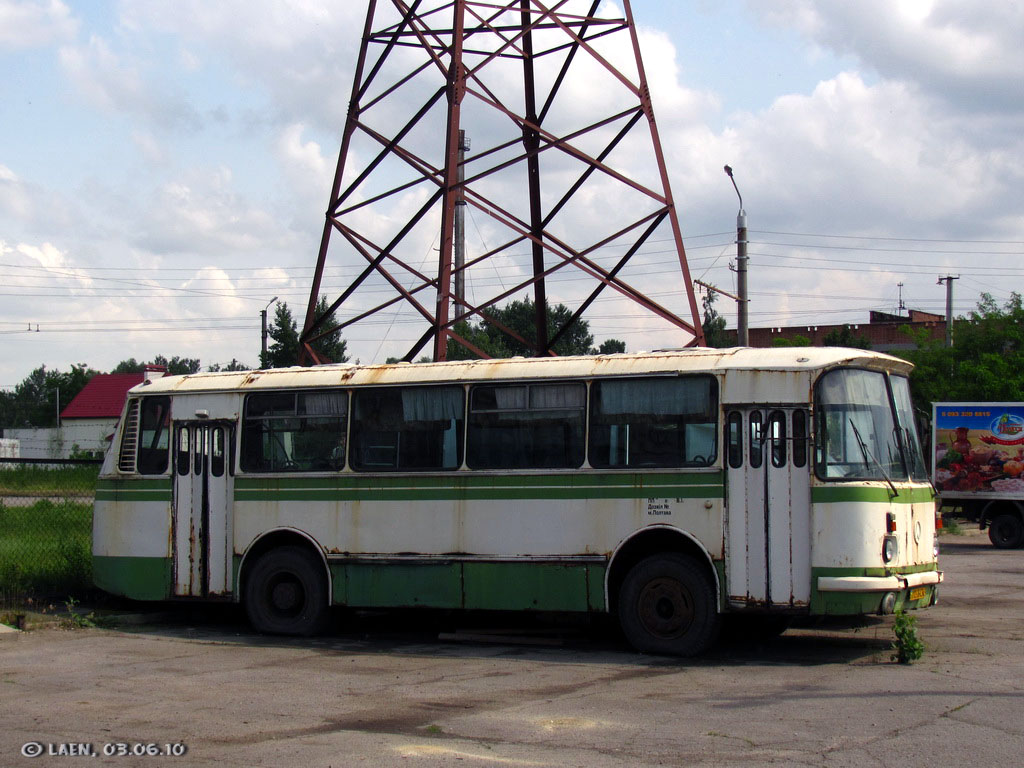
x: 565, y: 183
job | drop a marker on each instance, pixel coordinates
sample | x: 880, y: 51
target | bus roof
x: 691, y: 360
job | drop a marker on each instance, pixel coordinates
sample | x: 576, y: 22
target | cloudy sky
x: 164, y: 166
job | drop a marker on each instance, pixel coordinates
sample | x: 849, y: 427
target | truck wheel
x: 1006, y: 531
x: 667, y: 606
x: 286, y: 593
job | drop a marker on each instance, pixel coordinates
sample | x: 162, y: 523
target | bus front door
x: 203, y: 494
x: 768, y: 523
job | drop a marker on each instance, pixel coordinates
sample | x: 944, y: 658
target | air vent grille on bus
x: 129, y: 438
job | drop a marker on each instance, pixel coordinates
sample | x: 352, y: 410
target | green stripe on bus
x: 466, y: 479
x: 478, y: 488
x: 902, y: 570
x: 477, y: 494
x: 140, y: 578
x: 839, y: 493
x: 134, y: 489
x: 144, y: 483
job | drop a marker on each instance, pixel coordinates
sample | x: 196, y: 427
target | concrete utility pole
x: 948, y: 280
x: 459, y: 246
x: 263, y: 320
x: 742, y: 335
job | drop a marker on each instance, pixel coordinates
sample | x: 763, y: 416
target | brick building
x: 883, y: 330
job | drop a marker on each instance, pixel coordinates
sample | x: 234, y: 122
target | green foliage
x: 81, y: 620
x: 796, y: 341
x: 234, y: 365
x: 986, y: 361
x: 176, y: 366
x: 36, y: 480
x: 715, y: 334
x: 284, y: 331
x: 845, y: 337
x: 34, y: 402
x: 519, y: 316
x: 908, y: 646
x: 46, y: 546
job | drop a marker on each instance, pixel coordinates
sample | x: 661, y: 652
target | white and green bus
x: 668, y: 489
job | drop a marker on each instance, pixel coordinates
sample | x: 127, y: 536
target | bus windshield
x: 857, y: 434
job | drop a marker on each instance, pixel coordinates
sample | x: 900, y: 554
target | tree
x: 285, y: 333
x: 234, y: 365
x: 715, y: 334
x: 845, y: 337
x: 986, y: 361
x: 36, y: 400
x: 176, y: 366
x: 796, y: 341
x: 519, y: 315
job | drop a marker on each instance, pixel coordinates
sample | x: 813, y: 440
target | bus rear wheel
x: 1006, y: 531
x: 667, y: 606
x: 286, y: 593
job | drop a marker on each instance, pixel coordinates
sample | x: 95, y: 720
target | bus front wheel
x: 286, y: 593
x: 1006, y: 531
x: 667, y: 606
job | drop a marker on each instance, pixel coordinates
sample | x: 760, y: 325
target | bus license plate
x: 918, y: 593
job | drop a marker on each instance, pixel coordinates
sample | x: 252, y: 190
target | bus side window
x: 735, y: 439
x: 154, y: 427
x: 295, y: 431
x: 654, y: 422
x: 526, y: 426
x: 407, y: 428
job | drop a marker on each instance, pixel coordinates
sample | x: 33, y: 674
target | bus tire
x: 1006, y: 531
x: 286, y: 593
x: 667, y: 606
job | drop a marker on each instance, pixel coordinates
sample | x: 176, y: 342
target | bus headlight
x: 890, y: 548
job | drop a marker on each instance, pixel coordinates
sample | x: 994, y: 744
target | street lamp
x: 742, y: 336
x: 263, y: 320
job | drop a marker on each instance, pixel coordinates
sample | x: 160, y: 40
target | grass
x: 41, y: 480
x: 45, y: 548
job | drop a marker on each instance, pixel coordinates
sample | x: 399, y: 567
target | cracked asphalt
x: 387, y: 690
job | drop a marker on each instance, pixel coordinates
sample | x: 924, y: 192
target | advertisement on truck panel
x: 979, y: 449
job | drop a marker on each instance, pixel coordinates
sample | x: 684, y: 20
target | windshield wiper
x: 868, y: 457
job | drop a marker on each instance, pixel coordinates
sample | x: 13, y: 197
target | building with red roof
x: 87, y: 422
x: 102, y: 398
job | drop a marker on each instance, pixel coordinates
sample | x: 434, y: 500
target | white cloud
x: 967, y: 52
x: 301, y: 53
x: 202, y: 216
x: 112, y: 83
x: 29, y: 24
x: 15, y: 199
x: 304, y: 163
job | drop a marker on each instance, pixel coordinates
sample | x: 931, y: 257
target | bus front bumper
x: 896, y: 583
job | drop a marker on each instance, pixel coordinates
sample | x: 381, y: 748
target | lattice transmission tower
x: 562, y: 176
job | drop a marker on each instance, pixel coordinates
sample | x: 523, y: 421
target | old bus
x: 668, y: 489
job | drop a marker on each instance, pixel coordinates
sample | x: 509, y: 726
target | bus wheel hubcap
x: 286, y: 596
x: 665, y: 608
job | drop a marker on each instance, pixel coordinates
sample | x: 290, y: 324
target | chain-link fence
x: 45, y: 527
